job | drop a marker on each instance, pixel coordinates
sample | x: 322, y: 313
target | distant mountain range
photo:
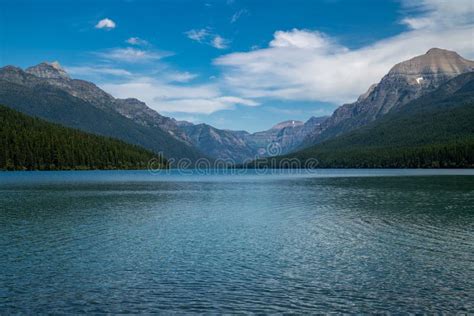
x: 47, y: 91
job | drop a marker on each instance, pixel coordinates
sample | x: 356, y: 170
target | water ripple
x: 283, y: 244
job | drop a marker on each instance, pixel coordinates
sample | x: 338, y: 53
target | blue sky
x: 233, y: 64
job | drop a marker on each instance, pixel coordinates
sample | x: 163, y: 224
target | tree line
x: 28, y: 143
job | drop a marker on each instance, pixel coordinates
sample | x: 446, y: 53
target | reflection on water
x: 128, y: 242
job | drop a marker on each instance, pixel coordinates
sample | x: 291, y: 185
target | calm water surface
x: 331, y: 241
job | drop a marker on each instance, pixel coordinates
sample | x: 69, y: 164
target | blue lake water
x: 326, y: 241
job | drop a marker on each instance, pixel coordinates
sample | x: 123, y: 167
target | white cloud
x: 132, y: 55
x: 219, y: 42
x: 176, y: 76
x: 198, y: 35
x: 106, y: 23
x: 309, y: 65
x: 305, y: 39
x: 170, y: 98
x: 237, y: 100
x: 438, y: 13
x: 237, y: 15
x: 98, y: 70
x: 137, y: 41
x: 205, y: 36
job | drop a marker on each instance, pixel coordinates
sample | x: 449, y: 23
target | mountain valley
x: 47, y: 91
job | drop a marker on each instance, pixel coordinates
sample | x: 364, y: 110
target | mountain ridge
x: 61, y: 100
x: 406, y: 81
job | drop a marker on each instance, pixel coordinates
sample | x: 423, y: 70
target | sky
x: 234, y: 64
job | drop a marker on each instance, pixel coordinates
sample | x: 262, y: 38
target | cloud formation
x: 97, y: 70
x: 136, y: 41
x: 205, y: 36
x: 219, y: 42
x: 198, y: 35
x: 237, y: 15
x: 132, y: 55
x: 166, y: 97
x: 296, y: 65
x: 309, y: 65
x: 106, y: 23
x: 177, y: 76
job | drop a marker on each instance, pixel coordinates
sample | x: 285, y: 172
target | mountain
x: 222, y: 144
x: 210, y: 141
x: 46, y: 91
x: 434, y: 130
x: 405, y: 82
x: 48, y: 70
x: 288, y: 135
x: 219, y: 143
x: 33, y: 144
x: 241, y: 145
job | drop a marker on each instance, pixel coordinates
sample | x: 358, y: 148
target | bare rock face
x: 288, y: 135
x: 286, y: 124
x: 53, y: 74
x: 17, y: 75
x: 405, y: 82
x: 48, y: 70
x: 140, y: 113
x: 435, y: 61
x: 218, y: 143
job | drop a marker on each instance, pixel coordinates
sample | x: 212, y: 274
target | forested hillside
x: 28, y: 143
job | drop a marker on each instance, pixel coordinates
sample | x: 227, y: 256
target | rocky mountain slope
x: 405, y: 82
x: 46, y: 91
x: 287, y: 136
x: 240, y: 145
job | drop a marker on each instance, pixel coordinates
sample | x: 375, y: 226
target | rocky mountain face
x: 48, y: 70
x: 218, y: 143
x: 55, y: 75
x: 287, y: 136
x: 241, y: 145
x: 405, y: 82
x: 46, y: 91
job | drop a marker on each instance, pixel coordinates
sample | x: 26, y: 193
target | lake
x: 285, y: 241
